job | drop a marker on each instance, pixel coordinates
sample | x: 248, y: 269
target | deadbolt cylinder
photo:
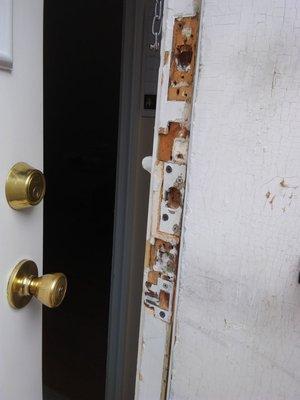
x: 25, y: 186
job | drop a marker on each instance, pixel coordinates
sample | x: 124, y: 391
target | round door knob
x: 25, y: 186
x: 24, y: 283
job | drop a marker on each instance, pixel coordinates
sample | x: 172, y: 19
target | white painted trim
x: 155, y: 334
x: 190, y: 147
x: 6, y: 34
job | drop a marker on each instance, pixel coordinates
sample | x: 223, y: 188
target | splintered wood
x: 169, y: 176
x: 171, y: 140
x: 185, y: 38
x: 162, y: 265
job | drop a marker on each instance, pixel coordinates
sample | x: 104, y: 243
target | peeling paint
x: 161, y: 279
x: 171, y: 142
x: 180, y: 150
x: 281, y: 192
x: 169, y: 173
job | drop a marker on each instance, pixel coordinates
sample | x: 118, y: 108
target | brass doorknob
x: 24, y: 283
x: 25, y: 186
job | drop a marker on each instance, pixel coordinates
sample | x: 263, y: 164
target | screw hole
x: 165, y: 217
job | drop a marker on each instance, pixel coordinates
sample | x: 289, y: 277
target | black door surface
x: 82, y: 61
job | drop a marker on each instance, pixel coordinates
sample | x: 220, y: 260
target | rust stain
x: 185, y: 36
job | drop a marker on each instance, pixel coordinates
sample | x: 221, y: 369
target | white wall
x: 238, y: 318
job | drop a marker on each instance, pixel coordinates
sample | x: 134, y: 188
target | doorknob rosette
x: 24, y: 283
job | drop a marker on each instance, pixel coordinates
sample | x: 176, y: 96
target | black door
x: 82, y: 56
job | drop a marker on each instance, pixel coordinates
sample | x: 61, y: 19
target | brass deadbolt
x: 25, y: 186
x: 24, y: 283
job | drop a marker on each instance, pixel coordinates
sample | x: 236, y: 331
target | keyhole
x: 36, y: 192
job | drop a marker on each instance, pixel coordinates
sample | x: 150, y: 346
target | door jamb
x: 126, y: 286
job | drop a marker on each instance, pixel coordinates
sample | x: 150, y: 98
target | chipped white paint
x: 180, y: 150
x: 238, y: 318
x: 159, y: 296
x: 155, y: 333
x: 165, y: 258
x: 162, y: 286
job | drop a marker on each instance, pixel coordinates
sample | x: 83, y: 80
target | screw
x: 169, y: 169
x: 162, y: 314
x: 176, y: 228
x: 165, y: 217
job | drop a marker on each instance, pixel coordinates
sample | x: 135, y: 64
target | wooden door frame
x: 127, y: 275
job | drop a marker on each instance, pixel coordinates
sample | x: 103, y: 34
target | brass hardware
x: 25, y: 186
x: 24, y: 283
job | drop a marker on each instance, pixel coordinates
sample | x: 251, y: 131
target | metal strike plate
x: 172, y: 202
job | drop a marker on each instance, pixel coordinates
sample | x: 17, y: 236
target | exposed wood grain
x: 167, y: 137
